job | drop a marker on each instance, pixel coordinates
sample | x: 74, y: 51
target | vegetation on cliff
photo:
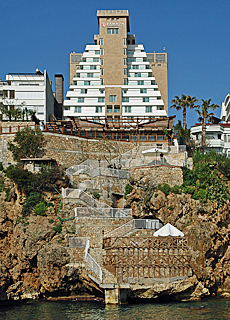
x: 208, y: 180
x: 26, y: 143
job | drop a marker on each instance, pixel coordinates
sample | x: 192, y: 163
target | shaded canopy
x: 168, y: 230
x: 153, y: 152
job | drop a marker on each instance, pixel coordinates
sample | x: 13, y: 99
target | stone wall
x: 71, y: 150
x: 96, y: 228
x: 159, y: 174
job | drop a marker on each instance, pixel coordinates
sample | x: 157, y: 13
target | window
x: 95, y: 59
x: 83, y: 90
x: 117, y: 119
x: 150, y: 74
x: 124, y: 91
x: 145, y: 99
x: 124, y: 42
x: 125, y: 71
x: 128, y: 109
x: 102, y: 99
x: 125, y: 99
x: 86, y: 83
x: 135, y: 66
x: 77, y: 109
x: 159, y: 65
x: 102, y: 72
x: 102, y: 52
x: 125, y: 82
x: 219, y: 136
x: 153, y: 82
x: 140, y: 82
x: 97, y: 51
x: 98, y: 109
x: 102, y: 82
x: 124, y: 52
x: 112, y: 98
x: 102, y: 91
x: 137, y: 74
x: 12, y: 94
x: 80, y: 99
x: 109, y: 109
x: 159, y: 108
x: 78, y: 75
x: 93, y: 67
x: 148, y: 109
x: 101, y: 41
x: 124, y: 62
x: 117, y: 109
x: 143, y: 90
x: 128, y: 41
x: 102, y: 62
x: 89, y: 75
x: 112, y: 30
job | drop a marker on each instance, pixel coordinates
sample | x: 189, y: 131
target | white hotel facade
x: 115, y: 77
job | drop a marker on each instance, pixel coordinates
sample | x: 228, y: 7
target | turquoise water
x: 45, y: 310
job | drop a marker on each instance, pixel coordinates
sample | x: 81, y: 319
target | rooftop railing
x: 102, y: 213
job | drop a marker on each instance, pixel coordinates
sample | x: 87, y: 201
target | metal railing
x: 91, y: 262
x: 100, y: 171
x: 94, y: 265
x: 102, y: 212
x: 122, y: 230
x: 152, y: 224
x: 80, y: 194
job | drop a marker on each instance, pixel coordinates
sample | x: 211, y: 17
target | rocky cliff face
x: 35, y: 260
x: 33, y: 256
x: 207, y: 228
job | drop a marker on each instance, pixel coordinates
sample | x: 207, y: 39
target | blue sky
x: 42, y: 33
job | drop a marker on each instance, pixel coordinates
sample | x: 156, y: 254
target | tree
x: 204, y: 116
x: 183, y: 103
x: 26, y: 143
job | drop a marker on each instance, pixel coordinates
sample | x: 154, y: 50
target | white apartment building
x: 225, y: 109
x: 32, y: 91
x: 217, y: 137
x: 114, y: 77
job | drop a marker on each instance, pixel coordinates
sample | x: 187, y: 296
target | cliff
x: 34, y: 252
x: 207, y: 227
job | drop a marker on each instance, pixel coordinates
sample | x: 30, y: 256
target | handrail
x: 60, y: 208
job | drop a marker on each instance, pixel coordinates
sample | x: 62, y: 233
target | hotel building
x: 115, y: 78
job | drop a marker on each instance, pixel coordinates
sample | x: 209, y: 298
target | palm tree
x: 183, y: 103
x: 205, y: 115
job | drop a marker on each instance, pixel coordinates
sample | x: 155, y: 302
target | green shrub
x: 155, y: 195
x: 128, y: 189
x: 164, y: 188
x: 96, y: 195
x: 1, y: 166
x: 147, y: 198
x: 50, y: 204
x: 51, y: 221
x: 58, y: 228
x: 176, y: 189
x: 170, y: 208
x: 40, y: 209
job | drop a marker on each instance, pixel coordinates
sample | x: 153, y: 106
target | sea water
x: 215, y: 308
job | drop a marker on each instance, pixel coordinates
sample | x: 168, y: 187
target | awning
x: 168, y: 230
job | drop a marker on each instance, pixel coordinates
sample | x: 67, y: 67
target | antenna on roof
x: 39, y: 72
